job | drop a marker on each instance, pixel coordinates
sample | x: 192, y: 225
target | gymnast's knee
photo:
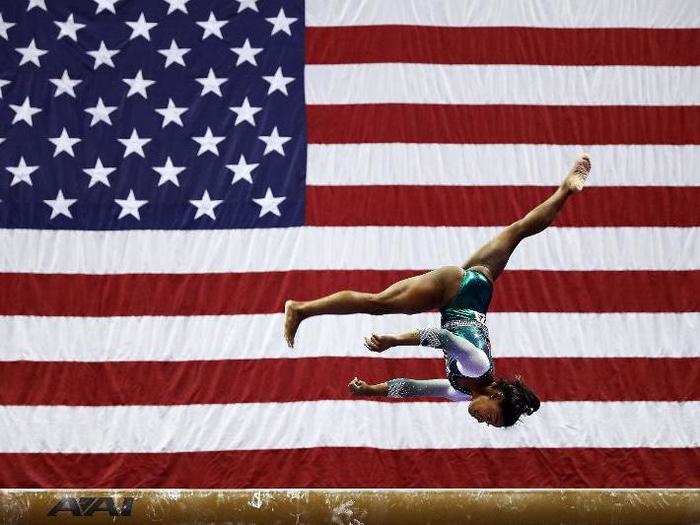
x: 391, y: 303
x: 379, y: 303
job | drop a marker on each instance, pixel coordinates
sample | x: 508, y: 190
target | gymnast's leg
x: 434, y: 289
x: 492, y: 258
x: 413, y: 295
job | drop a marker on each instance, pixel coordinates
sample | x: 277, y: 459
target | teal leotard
x: 465, y: 316
x: 474, y: 295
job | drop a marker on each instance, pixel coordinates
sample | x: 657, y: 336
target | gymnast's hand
x: 379, y: 343
x: 358, y: 386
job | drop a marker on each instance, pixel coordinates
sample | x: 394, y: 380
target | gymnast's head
x: 503, y: 402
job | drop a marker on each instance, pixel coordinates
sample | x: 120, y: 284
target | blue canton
x: 152, y: 114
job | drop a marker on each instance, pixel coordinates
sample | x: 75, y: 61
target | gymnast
x: 462, y: 294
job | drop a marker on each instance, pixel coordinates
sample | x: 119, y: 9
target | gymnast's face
x: 487, y: 410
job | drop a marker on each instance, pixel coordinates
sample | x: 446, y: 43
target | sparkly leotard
x: 465, y: 317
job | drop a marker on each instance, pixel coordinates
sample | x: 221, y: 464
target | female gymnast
x: 462, y: 294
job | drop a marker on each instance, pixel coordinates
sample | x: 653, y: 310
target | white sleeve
x: 404, y: 387
x: 471, y: 361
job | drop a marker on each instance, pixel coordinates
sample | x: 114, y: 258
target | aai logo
x: 90, y: 505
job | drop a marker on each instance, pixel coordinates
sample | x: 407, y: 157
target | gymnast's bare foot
x: 576, y: 178
x: 292, y: 318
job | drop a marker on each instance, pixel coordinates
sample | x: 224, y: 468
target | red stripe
x: 251, y: 293
x: 502, y: 124
x: 361, y: 468
x: 502, y: 45
x: 497, y: 206
x: 277, y: 380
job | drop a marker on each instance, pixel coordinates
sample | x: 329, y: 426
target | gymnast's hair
x: 517, y: 399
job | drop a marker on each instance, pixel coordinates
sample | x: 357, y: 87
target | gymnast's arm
x: 379, y: 343
x: 471, y: 360
x: 403, y: 387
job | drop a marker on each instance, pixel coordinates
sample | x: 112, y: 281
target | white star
x: 130, y: 206
x: 174, y: 54
x: 281, y: 22
x: 278, y: 82
x: 21, y: 172
x: 141, y: 28
x: 245, y: 112
x: 100, y: 112
x: 274, y: 142
x: 246, y: 53
x: 69, y: 28
x: 103, y: 55
x: 4, y: 26
x: 24, y: 112
x: 64, y: 143
x: 169, y: 173
x: 138, y: 84
x: 211, y: 84
x: 105, y: 5
x: 208, y: 142
x: 242, y: 170
x: 269, y: 203
x: 177, y: 5
x: 41, y: 4
x: 99, y: 173
x: 3, y: 83
x: 60, y: 205
x: 212, y: 26
x: 65, y: 84
x: 171, y: 114
x: 134, y: 144
x: 247, y: 4
x: 205, y: 206
x: 31, y: 53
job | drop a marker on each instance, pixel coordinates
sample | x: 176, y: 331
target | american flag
x: 173, y: 170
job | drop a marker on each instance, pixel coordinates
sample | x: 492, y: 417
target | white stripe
x: 261, y: 426
x: 309, y: 248
x: 498, y: 164
x: 535, y: 13
x: 182, y: 338
x: 501, y: 84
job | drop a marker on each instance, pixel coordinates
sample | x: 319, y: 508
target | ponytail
x: 517, y: 399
